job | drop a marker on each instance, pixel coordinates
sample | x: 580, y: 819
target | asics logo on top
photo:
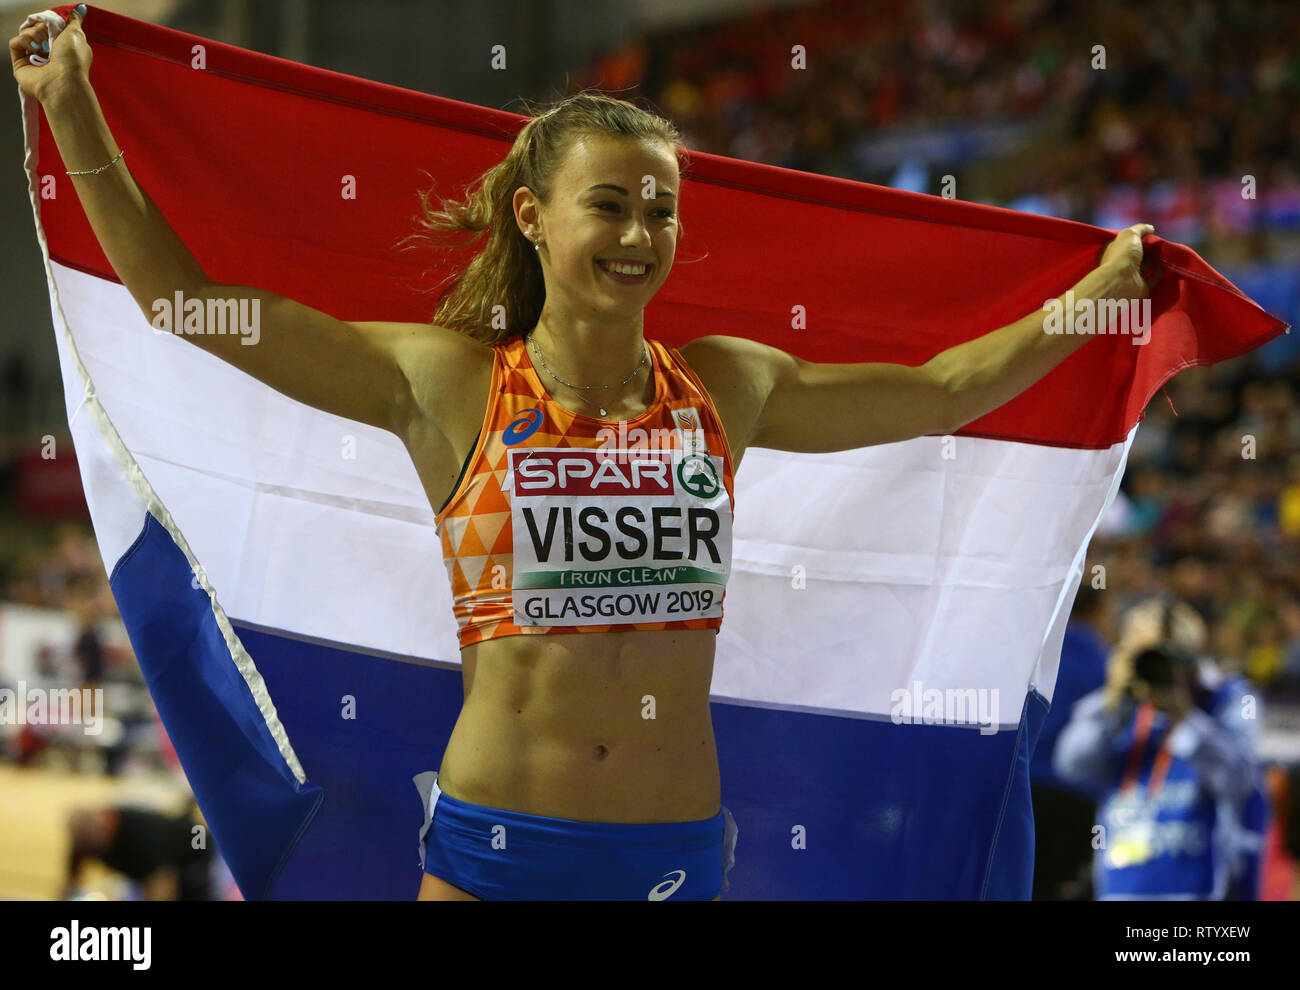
x: 522, y: 428
x: 661, y: 893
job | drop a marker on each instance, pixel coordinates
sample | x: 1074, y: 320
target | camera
x: 1156, y: 666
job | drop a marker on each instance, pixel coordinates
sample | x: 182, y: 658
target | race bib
x: 617, y: 536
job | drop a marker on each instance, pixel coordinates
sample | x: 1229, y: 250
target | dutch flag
x: 277, y: 566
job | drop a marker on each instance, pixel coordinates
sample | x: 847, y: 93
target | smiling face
x: 598, y: 213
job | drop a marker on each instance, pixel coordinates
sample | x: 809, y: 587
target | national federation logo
x: 689, y: 426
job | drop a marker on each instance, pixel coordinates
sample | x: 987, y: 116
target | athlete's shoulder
x: 740, y: 353
x: 452, y: 342
x: 444, y: 366
x: 427, y: 352
x: 735, y: 363
x: 421, y: 335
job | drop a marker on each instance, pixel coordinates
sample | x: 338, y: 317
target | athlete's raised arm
x: 361, y: 371
x: 809, y: 407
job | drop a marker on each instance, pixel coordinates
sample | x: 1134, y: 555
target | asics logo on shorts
x: 659, y: 893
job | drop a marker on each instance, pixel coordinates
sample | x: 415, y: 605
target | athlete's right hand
x: 69, y: 57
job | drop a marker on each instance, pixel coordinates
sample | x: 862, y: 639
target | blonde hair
x: 506, y: 271
x: 1143, y: 626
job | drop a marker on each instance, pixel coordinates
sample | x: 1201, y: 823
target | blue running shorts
x: 506, y: 855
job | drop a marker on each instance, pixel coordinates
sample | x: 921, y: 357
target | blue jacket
x: 1190, y: 841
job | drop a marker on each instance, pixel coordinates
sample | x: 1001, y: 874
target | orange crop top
x: 562, y: 523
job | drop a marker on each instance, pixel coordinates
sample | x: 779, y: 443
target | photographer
x: 1170, y: 742
x: 154, y: 850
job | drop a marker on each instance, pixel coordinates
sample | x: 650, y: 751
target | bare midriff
x: 598, y: 727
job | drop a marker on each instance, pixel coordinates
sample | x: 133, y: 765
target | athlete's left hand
x: 1126, y: 252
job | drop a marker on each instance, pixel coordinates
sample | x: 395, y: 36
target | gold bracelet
x: 96, y: 171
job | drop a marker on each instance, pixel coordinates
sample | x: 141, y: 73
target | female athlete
x: 587, y: 583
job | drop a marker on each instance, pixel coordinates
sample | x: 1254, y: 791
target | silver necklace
x: 537, y: 350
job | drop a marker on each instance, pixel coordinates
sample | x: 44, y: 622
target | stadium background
x: 999, y: 96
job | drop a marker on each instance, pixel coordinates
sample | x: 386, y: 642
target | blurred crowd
x: 66, y: 575
x: 1188, y: 90
x: 143, y: 849
x: 1209, y: 509
x: 65, y: 572
x: 1187, y: 117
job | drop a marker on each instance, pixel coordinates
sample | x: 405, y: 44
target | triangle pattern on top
x: 475, y: 528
